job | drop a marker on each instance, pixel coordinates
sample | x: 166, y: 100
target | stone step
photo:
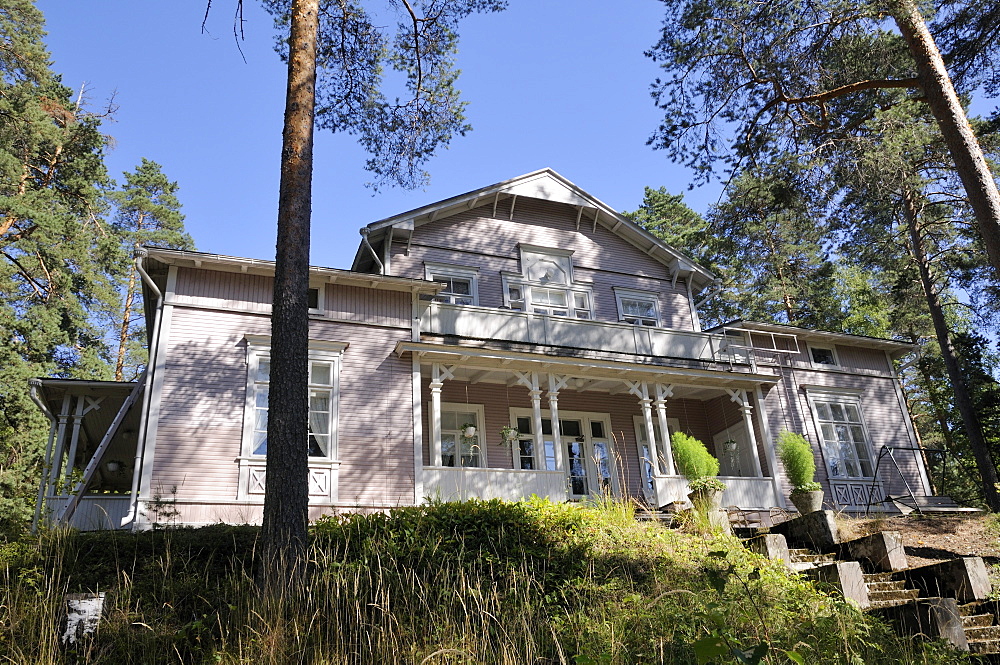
x: 885, y: 586
x: 901, y: 595
x: 815, y: 559
x: 983, y: 633
x: 968, y: 609
x: 977, y: 620
x: 985, y: 647
x: 879, y: 604
x: 877, y: 577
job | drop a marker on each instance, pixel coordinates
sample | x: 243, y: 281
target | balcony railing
x: 742, y: 491
x: 462, y: 483
x: 544, y: 329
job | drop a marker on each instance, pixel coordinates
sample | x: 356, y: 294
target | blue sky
x: 549, y: 84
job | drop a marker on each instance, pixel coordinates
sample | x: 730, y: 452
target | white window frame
x: 433, y: 270
x: 833, y: 352
x: 542, y: 456
x: 322, y: 470
x: 480, y: 436
x: 320, y: 288
x: 635, y: 294
x: 843, y: 397
x: 571, y: 288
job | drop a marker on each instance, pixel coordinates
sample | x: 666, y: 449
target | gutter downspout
x: 35, y: 384
x: 364, y: 230
x: 140, y: 447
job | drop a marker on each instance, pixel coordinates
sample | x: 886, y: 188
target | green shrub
x: 692, y: 458
x: 796, y: 456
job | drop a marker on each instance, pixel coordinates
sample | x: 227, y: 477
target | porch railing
x: 95, y: 512
x: 461, y: 483
x: 747, y: 493
x: 517, y: 326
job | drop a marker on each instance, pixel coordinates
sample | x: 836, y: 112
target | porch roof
x: 596, y: 370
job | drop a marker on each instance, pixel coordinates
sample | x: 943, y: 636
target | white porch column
x: 439, y: 374
x: 641, y: 390
x: 772, y: 461
x: 741, y: 398
x: 555, y: 384
x: 530, y: 381
x: 662, y: 393
x: 56, y: 466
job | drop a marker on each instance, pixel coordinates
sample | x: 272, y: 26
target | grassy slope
x: 479, y: 582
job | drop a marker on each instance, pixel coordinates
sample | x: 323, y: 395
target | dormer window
x: 461, y: 283
x: 546, y: 286
x: 638, y: 307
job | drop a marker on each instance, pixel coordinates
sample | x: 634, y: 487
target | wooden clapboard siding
x: 252, y: 293
x: 476, y: 239
x: 886, y: 422
x: 223, y: 290
x: 854, y: 357
x: 199, y: 433
x: 722, y: 412
x: 355, y: 303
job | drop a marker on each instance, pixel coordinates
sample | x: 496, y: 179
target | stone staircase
x: 981, y: 629
x: 944, y: 600
x: 883, y: 591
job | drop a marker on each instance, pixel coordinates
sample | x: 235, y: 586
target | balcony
x: 547, y: 330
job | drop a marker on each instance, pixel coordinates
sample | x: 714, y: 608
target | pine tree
x: 58, y: 260
x: 147, y: 213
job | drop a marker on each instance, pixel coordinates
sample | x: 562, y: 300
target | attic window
x: 637, y: 307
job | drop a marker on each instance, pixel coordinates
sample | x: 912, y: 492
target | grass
x: 476, y: 582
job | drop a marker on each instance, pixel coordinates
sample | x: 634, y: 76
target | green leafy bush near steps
x: 476, y: 582
x: 796, y: 456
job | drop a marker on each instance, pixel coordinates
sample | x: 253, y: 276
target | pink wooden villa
x: 527, y: 305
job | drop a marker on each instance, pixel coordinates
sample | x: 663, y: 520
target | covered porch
x: 87, y: 478
x: 579, y: 427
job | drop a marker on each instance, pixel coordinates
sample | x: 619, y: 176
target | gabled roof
x: 546, y: 185
x: 896, y: 348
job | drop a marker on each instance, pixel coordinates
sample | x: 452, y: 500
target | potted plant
x: 796, y: 456
x: 509, y: 434
x: 468, y: 430
x: 700, y: 468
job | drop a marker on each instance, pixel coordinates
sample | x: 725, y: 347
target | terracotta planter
x: 807, y: 502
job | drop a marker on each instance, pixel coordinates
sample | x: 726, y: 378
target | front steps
x: 944, y: 600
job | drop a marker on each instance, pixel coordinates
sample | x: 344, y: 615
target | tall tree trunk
x: 286, y: 493
x: 980, y: 186
x: 126, y: 322
x: 963, y: 401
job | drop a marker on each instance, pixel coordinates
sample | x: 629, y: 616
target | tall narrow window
x: 458, y: 446
x: 546, y: 285
x: 843, y: 433
x: 323, y: 388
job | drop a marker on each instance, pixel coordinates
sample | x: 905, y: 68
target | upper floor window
x: 546, y: 285
x: 324, y: 372
x: 461, y: 283
x: 846, y: 444
x: 824, y: 356
x: 638, y: 307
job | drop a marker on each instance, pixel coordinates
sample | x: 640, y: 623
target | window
x: 317, y: 302
x: 546, y: 285
x: 457, y: 449
x: 844, y: 436
x: 823, y: 356
x: 461, y: 283
x: 637, y: 307
x: 324, y: 366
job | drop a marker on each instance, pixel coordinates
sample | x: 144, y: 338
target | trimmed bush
x: 693, y: 459
x: 796, y: 456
